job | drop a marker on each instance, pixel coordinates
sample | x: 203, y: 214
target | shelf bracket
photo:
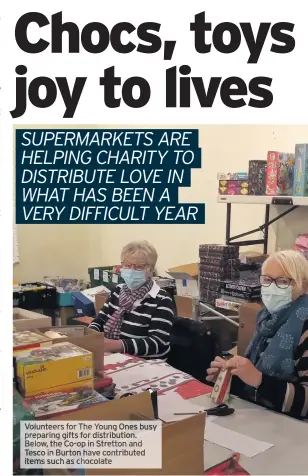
x: 230, y: 240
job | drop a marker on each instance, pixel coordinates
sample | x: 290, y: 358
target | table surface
x: 289, y: 437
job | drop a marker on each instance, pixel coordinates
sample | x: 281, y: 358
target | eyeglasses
x: 137, y: 267
x: 281, y: 283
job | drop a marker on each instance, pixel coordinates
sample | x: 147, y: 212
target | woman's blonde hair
x: 141, y: 248
x: 294, y: 265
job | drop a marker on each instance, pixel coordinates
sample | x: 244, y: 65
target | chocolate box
x: 241, y: 295
x: 257, y: 177
x: 300, y: 185
x: 244, y: 286
x: 233, y: 187
x: 280, y: 174
x: 223, y: 251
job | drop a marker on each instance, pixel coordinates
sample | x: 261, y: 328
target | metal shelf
x: 292, y: 202
x: 263, y: 200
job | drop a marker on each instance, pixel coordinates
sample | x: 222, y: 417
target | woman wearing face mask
x: 274, y: 371
x: 138, y: 316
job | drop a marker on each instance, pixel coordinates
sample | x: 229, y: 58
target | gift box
x: 232, y: 176
x: 300, y: 186
x: 223, y: 251
x: 280, y: 174
x: 233, y: 187
x: 257, y: 177
x: 247, y: 286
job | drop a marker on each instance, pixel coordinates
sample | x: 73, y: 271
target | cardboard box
x: 66, y: 313
x: 187, y: 307
x: 24, y: 320
x: 300, y: 186
x: 182, y: 441
x: 100, y: 300
x: 247, y: 325
x: 25, y: 340
x: 83, y: 337
x: 186, y: 279
x: 51, y: 367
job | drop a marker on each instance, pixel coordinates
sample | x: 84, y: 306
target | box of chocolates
x: 280, y: 174
x: 233, y: 187
x: 251, y: 297
x: 300, y: 186
x: 222, y: 251
x: 257, y: 177
x: 230, y: 269
x: 250, y: 287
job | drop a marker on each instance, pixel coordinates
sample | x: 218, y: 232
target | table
x: 289, y: 437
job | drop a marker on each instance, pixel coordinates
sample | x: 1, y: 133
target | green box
x: 104, y: 276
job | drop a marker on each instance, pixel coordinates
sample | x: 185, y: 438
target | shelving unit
x: 292, y: 202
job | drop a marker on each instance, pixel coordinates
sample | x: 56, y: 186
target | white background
x: 289, y: 88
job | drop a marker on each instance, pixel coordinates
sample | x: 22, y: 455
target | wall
x: 69, y: 250
x: 56, y: 250
x: 225, y: 149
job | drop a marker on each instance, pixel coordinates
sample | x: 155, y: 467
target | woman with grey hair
x: 138, y: 316
x: 274, y: 371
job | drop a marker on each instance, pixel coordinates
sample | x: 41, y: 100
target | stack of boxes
x: 217, y: 264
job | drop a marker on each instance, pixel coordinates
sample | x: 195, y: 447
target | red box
x: 272, y: 170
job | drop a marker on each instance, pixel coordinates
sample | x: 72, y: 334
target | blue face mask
x: 133, y: 278
x: 274, y: 298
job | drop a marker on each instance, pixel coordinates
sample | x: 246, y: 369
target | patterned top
x: 282, y: 395
x: 145, y: 330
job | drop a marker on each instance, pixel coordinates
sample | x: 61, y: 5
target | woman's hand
x: 245, y: 370
x: 113, y: 346
x: 215, y: 368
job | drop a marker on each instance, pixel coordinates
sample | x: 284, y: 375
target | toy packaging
x: 52, y: 404
x: 25, y: 340
x: 55, y: 366
x: 232, y: 176
x: 280, y: 174
x: 300, y: 186
x: 233, y: 187
x: 257, y: 177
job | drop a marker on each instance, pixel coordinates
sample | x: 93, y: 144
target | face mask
x: 133, y: 278
x: 274, y: 298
